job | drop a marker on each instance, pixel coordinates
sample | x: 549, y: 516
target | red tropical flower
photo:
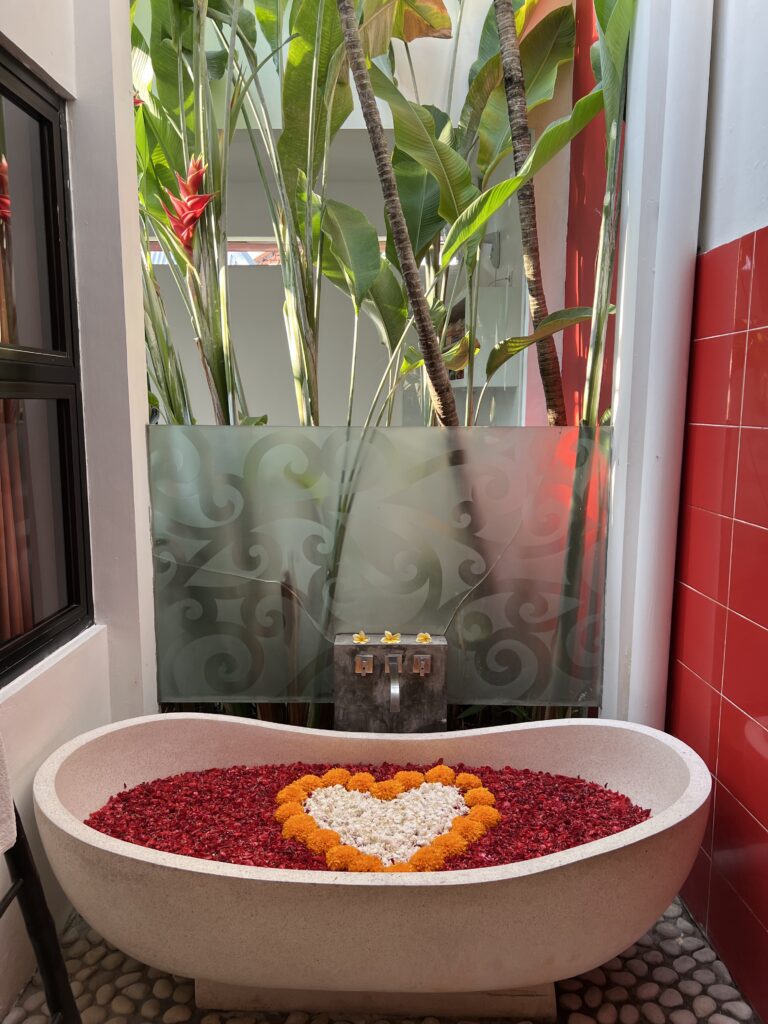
x: 188, y: 207
x: 5, y: 199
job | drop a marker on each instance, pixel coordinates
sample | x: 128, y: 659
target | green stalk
x: 354, y: 366
x: 413, y: 72
x: 454, y: 55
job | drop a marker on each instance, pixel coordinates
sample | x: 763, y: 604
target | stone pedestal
x: 536, y: 1003
x: 367, y: 698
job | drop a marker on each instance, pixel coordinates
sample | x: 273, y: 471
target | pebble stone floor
x: 670, y: 976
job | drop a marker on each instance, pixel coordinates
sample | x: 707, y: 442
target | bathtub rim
x: 693, y: 797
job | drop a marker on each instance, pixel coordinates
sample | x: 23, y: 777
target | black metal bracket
x: 28, y: 890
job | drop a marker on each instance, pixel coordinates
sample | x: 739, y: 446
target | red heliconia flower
x: 189, y: 207
x: 5, y: 199
x: 137, y: 101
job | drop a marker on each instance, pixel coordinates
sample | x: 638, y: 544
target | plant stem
x: 353, y: 368
x: 454, y: 56
x: 413, y: 72
x: 517, y: 110
x: 440, y: 386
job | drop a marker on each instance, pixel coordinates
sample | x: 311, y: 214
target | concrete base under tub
x: 427, y: 939
x: 536, y: 1003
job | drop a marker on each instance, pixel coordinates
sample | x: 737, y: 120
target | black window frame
x: 52, y: 374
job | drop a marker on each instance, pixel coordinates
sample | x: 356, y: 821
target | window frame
x: 52, y: 374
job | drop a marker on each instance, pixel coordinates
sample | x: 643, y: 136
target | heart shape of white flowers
x: 390, y: 829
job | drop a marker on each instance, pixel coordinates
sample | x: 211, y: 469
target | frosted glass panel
x: 269, y: 541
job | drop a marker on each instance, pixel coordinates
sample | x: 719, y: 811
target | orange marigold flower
x: 361, y: 781
x: 299, y: 826
x: 475, y: 797
x: 466, y: 780
x: 336, y: 777
x: 428, y: 858
x: 292, y: 794
x: 452, y: 844
x: 441, y: 773
x: 399, y: 867
x: 338, y: 858
x: 286, y: 811
x: 309, y: 782
x: 409, y: 780
x: 387, y: 790
x: 486, y: 815
x: 365, y: 862
x: 469, y: 828
x: 322, y: 840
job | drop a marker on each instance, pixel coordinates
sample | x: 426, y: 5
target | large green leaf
x: 420, y: 199
x: 297, y: 88
x: 550, y: 325
x: 270, y: 15
x: 355, y: 246
x: 387, y: 305
x: 554, y: 138
x: 415, y: 134
x: 384, y: 20
x: 489, y: 36
x: 546, y: 47
x: 221, y: 11
x: 614, y: 24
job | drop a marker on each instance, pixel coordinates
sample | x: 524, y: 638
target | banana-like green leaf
x: 550, y: 325
x: 455, y: 358
x: 297, y: 87
x: 355, y: 245
x: 489, y: 36
x: 384, y: 20
x: 420, y: 199
x: 217, y: 63
x: 554, y: 138
x: 614, y: 23
x: 221, y: 12
x: 387, y: 305
x: 415, y: 134
x: 542, y: 52
x: 270, y: 15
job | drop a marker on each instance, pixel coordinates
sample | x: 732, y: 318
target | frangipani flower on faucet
x: 390, y: 638
x: 360, y: 638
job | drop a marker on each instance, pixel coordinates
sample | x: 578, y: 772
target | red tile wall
x: 718, y: 686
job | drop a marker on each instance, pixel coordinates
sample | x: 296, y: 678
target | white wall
x: 735, y: 198
x: 82, y: 47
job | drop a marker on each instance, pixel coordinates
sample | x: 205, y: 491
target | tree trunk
x: 439, y: 384
x: 514, y: 87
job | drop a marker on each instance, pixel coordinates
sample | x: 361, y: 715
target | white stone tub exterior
x: 481, y: 930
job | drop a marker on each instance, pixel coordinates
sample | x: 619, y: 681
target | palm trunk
x: 439, y: 383
x: 514, y: 87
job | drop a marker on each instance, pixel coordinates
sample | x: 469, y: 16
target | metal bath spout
x: 394, y: 666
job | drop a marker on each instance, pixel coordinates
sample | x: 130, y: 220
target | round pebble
x: 671, y: 947
x: 78, y: 949
x: 34, y: 1002
x: 721, y: 970
x: 163, y: 988
x: 738, y: 1009
x: 629, y: 952
x: 183, y: 993
x: 112, y: 961
x: 721, y: 1018
x: 689, y: 987
x: 613, y: 965
x: 705, y: 956
x: 705, y: 976
x: 570, y: 1001
x: 151, y: 1009
x: 703, y: 1006
x: 691, y: 943
x: 76, y: 988
x: 648, y: 990
x: 670, y: 997
x: 122, y: 1005
x: 672, y: 910
x: 593, y: 997
x: 622, y: 978
x: 37, y: 1018
x: 94, y: 955
x: 722, y: 992
x: 665, y: 975
x: 85, y: 973
x: 629, y: 1014
x: 93, y: 1015
x: 571, y: 985
x: 638, y: 967
x: 84, y: 1001
x: 683, y: 964
x: 131, y: 964
x: 99, y: 978
x: 597, y: 977
x: 682, y: 1017
x: 128, y: 979
x: 137, y: 990
x: 574, y: 1018
x: 178, y: 1014
x: 105, y: 995
x: 73, y: 966
x: 667, y: 930
x: 685, y: 926
x: 653, y: 1013
x: 14, y: 1016
x: 214, y: 1018
x: 93, y: 937
x: 653, y: 956
x: 117, y: 1020
x: 617, y: 994
x: 607, y: 1014
x: 69, y: 936
x: 645, y: 940
x: 297, y: 1017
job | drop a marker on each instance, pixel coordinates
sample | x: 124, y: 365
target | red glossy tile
x: 752, y: 482
x: 695, y: 890
x: 699, y: 634
x: 745, y: 674
x: 740, y: 853
x: 721, y: 298
x: 693, y: 712
x: 759, y: 305
x: 709, y: 467
x: 741, y: 941
x: 704, y: 552
x: 755, y: 404
x: 749, y: 594
x: 742, y: 765
x: 715, y: 380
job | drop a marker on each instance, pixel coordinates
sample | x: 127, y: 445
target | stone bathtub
x: 486, y: 941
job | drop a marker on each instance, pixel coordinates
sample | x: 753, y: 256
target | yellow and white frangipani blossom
x: 390, y: 638
x: 360, y: 638
x: 424, y: 638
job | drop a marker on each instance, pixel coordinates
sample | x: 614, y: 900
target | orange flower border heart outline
x: 465, y: 828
